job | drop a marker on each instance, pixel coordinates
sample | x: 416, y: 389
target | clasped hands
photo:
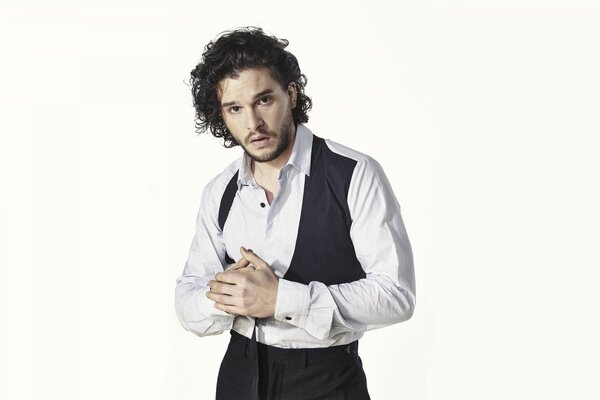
x: 244, y: 290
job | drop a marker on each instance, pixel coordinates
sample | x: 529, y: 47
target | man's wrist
x: 292, y: 302
x: 274, y: 299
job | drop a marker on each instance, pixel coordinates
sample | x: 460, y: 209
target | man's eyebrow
x: 261, y: 94
x: 256, y: 96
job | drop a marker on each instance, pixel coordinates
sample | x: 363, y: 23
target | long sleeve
x: 206, y: 257
x: 387, y: 294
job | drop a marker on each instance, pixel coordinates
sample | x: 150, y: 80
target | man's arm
x: 206, y: 258
x: 387, y: 294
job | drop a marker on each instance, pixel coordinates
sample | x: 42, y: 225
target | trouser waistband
x: 297, y: 357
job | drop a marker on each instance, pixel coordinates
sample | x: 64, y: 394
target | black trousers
x: 254, y: 371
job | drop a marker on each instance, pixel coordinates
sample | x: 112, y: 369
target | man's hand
x: 243, y: 291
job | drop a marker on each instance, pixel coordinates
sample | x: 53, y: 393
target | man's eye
x: 234, y: 109
x: 265, y: 100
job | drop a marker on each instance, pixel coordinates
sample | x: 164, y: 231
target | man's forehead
x: 245, y: 84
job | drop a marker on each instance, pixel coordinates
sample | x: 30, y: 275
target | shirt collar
x: 299, y: 159
x: 302, y: 150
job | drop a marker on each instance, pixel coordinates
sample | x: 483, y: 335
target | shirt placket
x: 272, y: 233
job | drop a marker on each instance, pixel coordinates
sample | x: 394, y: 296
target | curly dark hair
x: 233, y: 52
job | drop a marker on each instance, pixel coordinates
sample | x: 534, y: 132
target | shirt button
x: 263, y: 205
x: 288, y: 318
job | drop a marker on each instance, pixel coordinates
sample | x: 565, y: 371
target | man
x: 299, y: 246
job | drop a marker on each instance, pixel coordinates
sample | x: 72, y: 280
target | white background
x: 484, y: 114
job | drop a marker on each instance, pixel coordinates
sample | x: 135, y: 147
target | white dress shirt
x: 306, y: 316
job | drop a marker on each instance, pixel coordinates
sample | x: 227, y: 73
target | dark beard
x: 283, y: 144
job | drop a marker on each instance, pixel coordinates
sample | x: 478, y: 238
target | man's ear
x: 292, y: 92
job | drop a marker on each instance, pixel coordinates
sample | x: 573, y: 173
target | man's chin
x: 265, y: 155
x: 262, y: 158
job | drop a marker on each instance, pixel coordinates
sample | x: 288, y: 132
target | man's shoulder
x: 363, y: 161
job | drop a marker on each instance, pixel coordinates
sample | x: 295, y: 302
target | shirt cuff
x: 293, y: 299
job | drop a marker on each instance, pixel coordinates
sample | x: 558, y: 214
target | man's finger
x: 249, y: 268
x: 253, y: 258
x: 233, y: 310
x: 241, y: 263
x: 233, y: 277
x: 222, y: 299
x: 222, y: 288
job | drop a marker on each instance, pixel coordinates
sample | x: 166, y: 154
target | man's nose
x: 255, y: 121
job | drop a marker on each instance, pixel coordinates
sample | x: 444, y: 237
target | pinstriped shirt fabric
x: 310, y: 314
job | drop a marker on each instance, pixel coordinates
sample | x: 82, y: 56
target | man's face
x: 258, y: 113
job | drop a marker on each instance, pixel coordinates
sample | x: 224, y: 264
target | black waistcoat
x: 324, y: 251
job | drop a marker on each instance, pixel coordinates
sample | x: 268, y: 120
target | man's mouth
x: 259, y: 139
